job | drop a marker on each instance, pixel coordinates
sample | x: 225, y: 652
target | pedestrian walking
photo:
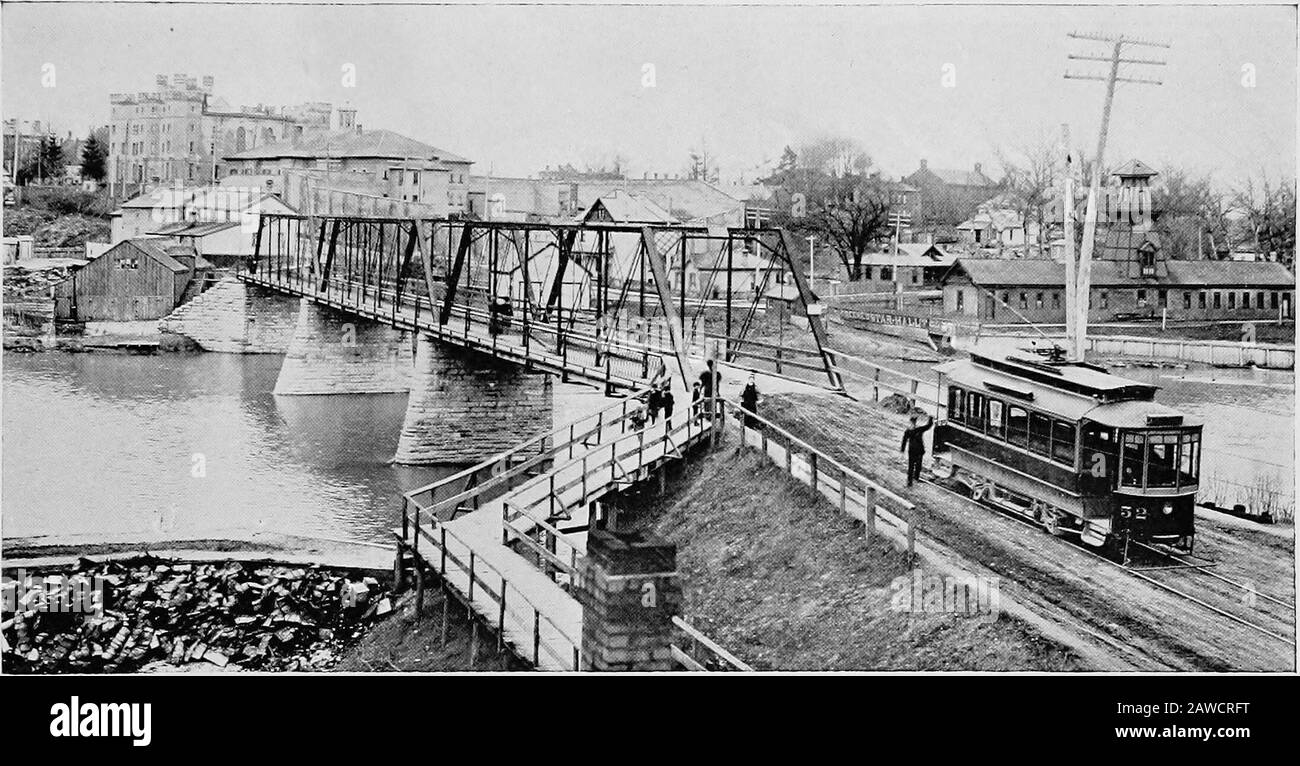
x: 711, y: 382
x: 914, y: 445
x: 749, y: 403
x: 666, y: 400
x: 697, y: 401
x: 654, y: 401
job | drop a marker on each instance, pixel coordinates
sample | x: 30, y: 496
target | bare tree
x: 1033, y: 175
x: 1269, y: 209
x: 827, y: 190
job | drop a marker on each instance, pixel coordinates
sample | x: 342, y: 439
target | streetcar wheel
x: 1051, y: 522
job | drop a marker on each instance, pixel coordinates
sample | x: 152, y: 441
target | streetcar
x: 1077, y: 449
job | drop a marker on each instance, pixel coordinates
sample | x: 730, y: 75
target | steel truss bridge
x: 603, y: 302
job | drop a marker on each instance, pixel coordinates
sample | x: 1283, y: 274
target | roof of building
x: 339, y: 144
x: 686, y: 200
x: 911, y: 254
x: 1045, y: 272
x: 998, y: 219
x: 1135, y: 169
x: 973, y: 177
x: 151, y: 248
x: 192, y: 228
x: 628, y: 208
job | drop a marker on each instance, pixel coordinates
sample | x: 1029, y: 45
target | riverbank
x: 784, y: 580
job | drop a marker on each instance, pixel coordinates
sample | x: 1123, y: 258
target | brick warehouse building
x: 1032, y: 290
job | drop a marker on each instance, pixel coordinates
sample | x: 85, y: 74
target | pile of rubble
x: 148, y: 614
x: 19, y: 279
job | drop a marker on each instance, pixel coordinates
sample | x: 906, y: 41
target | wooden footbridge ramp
x: 505, y: 537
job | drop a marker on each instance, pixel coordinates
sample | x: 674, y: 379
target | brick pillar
x: 466, y: 406
x: 333, y: 352
x: 629, y: 590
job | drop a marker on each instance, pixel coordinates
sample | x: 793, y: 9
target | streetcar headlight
x: 1169, y: 508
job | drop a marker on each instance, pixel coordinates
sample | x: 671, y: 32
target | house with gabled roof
x: 948, y: 197
x: 136, y: 279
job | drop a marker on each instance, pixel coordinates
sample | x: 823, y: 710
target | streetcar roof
x: 1133, y: 414
x: 1063, y: 403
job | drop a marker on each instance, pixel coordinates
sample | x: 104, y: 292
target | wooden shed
x: 136, y: 279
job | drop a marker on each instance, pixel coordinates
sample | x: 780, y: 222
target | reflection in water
x: 186, y: 445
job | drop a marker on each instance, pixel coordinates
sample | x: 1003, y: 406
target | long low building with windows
x: 1033, y: 290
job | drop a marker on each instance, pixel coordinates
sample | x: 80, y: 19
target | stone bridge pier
x: 466, y: 406
x: 333, y: 352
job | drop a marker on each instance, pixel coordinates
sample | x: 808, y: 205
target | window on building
x: 1141, y: 298
x: 887, y: 273
x: 1245, y: 300
x: 867, y: 271
x: 1006, y: 298
x: 961, y: 298
x: 1017, y: 425
x: 1200, y: 301
x: 914, y: 275
x: 1274, y: 301
x: 1038, y: 301
x: 415, y: 178
x: 1218, y: 299
x: 1024, y: 300
x: 1056, y: 300
x: 1259, y: 300
x: 1163, y: 297
x: 1232, y: 300
x: 1187, y: 299
x: 1105, y: 300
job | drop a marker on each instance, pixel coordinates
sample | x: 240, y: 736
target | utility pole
x: 1090, y: 221
x: 811, y: 240
x: 1071, y: 276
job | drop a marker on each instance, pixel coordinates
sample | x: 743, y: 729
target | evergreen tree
x: 94, y: 159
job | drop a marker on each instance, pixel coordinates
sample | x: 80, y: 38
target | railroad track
x: 1186, y: 566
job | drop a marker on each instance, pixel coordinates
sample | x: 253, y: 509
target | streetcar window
x: 1099, y: 451
x: 1131, y: 467
x: 956, y: 404
x: 1189, y: 459
x: 994, y: 428
x: 975, y: 411
x: 1063, y: 442
x: 1162, y: 456
x: 1017, y: 426
x: 1040, y: 434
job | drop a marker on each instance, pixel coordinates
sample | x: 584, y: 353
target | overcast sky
x: 516, y: 88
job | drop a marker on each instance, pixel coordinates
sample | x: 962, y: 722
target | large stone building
x: 379, y: 163
x: 946, y: 198
x: 182, y: 130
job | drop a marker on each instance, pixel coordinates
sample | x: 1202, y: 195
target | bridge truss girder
x: 573, y: 278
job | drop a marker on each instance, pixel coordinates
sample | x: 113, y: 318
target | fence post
x: 871, y: 511
x: 501, y: 617
x: 812, y: 470
x: 844, y: 491
x: 911, y: 538
x: 875, y: 389
x: 471, y: 582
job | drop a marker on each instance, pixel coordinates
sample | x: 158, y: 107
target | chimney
x: 977, y: 167
x: 358, y: 128
x: 160, y: 80
x: 924, y: 164
x: 207, y: 83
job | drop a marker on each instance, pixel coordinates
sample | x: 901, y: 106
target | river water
x: 181, y: 446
